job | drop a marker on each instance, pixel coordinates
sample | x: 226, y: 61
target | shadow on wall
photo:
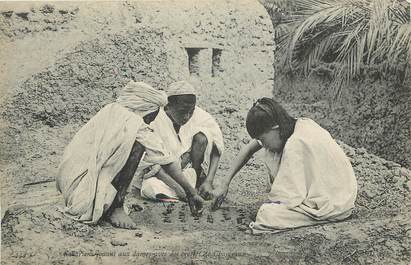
x: 371, y: 113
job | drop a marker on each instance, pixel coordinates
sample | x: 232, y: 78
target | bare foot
x: 121, y: 220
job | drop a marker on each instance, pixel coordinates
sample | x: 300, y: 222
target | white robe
x: 96, y: 154
x: 313, y: 182
x: 201, y: 121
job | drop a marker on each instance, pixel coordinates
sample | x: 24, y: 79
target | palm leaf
x: 353, y: 33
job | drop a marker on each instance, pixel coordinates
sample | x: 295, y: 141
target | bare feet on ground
x: 121, y: 220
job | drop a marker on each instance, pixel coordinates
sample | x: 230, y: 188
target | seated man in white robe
x: 98, y: 164
x: 190, y: 133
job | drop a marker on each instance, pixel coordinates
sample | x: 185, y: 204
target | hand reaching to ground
x: 206, y: 190
x: 219, y: 195
x: 196, y: 204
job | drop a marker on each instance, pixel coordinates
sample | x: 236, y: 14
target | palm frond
x: 354, y: 34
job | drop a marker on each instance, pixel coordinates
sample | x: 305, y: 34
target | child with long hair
x: 311, y: 179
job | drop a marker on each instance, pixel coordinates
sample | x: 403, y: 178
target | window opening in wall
x: 216, y: 67
x: 193, y: 60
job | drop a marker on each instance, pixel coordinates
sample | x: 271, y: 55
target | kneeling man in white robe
x: 190, y: 133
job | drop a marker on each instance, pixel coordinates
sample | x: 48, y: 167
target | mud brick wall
x: 87, y: 78
x: 229, y: 42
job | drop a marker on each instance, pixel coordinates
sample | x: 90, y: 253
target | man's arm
x: 174, y: 171
x: 194, y: 200
x: 214, y: 161
x: 207, y: 187
x: 163, y: 176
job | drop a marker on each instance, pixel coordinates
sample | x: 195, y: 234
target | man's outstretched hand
x: 206, y: 190
x: 219, y: 195
x: 196, y: 204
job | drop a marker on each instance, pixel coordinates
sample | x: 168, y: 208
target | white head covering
x: 141, y: 98
x: 180, y: 88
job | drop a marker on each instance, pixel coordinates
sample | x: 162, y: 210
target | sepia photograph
x: 205, y: 132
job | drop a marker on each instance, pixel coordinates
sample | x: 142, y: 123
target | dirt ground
x: 33, y: 231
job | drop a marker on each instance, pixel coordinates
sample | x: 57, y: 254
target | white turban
x: 180, y: 88
x: 141, y: 98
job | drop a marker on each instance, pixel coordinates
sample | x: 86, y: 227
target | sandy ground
x: 33, y: 231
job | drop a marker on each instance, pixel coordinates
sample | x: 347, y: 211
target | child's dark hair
x: 265, y: 114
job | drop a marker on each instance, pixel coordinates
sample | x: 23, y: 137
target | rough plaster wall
x: 35, y: 35
x: 241, y: 29
x: 87, y: 78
